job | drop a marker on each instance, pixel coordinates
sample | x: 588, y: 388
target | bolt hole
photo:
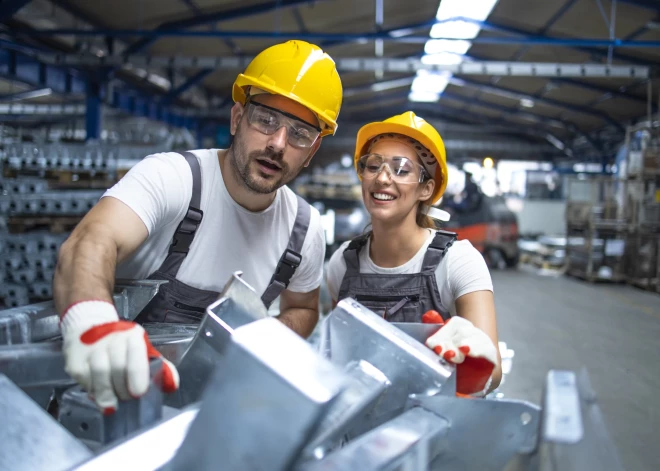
x: 525, y: 418
x: 84, y: 427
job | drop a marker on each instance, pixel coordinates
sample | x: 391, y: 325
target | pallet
x: 593, y: 278
x: 53, y: 224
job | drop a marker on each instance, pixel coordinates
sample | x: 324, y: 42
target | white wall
x: 539, y: 216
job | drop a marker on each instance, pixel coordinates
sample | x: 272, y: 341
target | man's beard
x: 253, y: 179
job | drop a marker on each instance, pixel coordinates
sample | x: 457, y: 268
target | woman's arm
x: 478, y: 307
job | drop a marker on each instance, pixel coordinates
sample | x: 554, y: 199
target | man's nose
x: 277, y: 140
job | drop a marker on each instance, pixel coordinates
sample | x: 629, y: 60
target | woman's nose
x: 384, y: 176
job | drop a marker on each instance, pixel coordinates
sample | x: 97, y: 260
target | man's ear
x: 315, y: 147
x: 236, y: 114
x: 427, y: 190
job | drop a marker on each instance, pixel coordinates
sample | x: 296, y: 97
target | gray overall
x: 178, y: 302
x: 401, y: 297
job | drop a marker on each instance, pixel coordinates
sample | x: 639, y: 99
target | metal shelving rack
x: 642, y: 205
x: 595, y: 230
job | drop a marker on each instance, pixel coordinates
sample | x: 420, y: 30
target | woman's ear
x: 427, y: 190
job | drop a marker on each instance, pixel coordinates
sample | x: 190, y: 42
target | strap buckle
x: 287, y: 266
x: 185, y: 232
x: 448, y: 240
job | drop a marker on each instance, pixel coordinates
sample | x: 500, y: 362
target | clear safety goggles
x: 400, y: 169
x: 268, y: 120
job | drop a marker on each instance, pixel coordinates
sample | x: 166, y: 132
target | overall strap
x: 437, y: 249
x: 352, y: 254
x: 185, y: 232
x: 292, y: 256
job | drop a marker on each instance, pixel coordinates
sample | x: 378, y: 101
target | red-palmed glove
x: 467, y: 346
x: 109, y: 357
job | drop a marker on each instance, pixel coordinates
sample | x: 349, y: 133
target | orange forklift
x: 486, y: 222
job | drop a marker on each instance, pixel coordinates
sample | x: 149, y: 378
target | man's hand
x: 109, y: 357
x: 463, y: 344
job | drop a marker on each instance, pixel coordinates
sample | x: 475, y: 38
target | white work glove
x: 467, y: 346
x: 109, y: 357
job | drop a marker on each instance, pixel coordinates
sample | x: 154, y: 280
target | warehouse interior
x: 549, y: 114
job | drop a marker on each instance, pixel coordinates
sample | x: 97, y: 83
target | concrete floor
x: 612, y: 330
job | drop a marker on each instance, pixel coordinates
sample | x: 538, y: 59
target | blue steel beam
x: 27, y: 95
x: 187, y: 85
x: 645, y: 4
x: 9, y: 8
x: 93, y: 111
x: 299, y: 20
x: 587, y: 45
x: 514, y: 112
x: 549, y: 24
x: 577, y: 83
x: 195, y: 9
x: 498, y: 90
x: 228, y: 15
x: 25, y: 69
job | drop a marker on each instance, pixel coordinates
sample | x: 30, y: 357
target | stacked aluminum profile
x: 46, y: 190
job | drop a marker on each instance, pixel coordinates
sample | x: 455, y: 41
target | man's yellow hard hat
x: 416, y: 128
x: 300, y: 71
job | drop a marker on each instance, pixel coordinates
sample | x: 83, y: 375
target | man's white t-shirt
x: 230, y: 238
x: 461, y: 271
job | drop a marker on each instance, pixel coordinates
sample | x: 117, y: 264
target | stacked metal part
x: 256, y: 396
x: 27, y: 265
x: 45, y: 191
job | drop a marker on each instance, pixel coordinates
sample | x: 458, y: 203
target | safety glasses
x: 268, y: 120
x: 400, y: 169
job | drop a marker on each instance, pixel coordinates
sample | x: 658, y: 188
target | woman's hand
x: 463, y: 344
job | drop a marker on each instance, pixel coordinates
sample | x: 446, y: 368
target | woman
x: 406, y: 270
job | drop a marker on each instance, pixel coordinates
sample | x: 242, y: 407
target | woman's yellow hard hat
x: 416, y: 128
x: 300, y: 71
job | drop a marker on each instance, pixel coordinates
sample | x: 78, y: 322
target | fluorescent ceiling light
x: 442, y: 58
x: 475, y: 9
x: 526, y: 102
x: 435, y: 46
x: 424, y: 97
x: 434, y: 82
x: 455, y: 29
x: 429, y: 86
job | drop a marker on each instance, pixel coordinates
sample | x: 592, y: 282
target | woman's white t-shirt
x: 462, y: 270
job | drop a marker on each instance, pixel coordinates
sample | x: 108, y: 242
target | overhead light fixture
x: 488, y: 163
x: 449, y: 51
x: 526, y: 102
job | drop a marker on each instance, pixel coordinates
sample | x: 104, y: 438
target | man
x: 195, y: 218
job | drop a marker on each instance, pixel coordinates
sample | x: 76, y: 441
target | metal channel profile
x: 42, y: 364
x: 80, y: 415
x: 352, y: 333
x: 419, y: 332
x: 366, y: 385
x: 408, y: 442
x: 574, y: 434
x: 154, y: 447
x: 239, y: 305
x: 485, y: 434
x: 39, y: 322
x: 30, y: 439
x: 250, y: 306
x: 267, y: 395
x: 204, y: 351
